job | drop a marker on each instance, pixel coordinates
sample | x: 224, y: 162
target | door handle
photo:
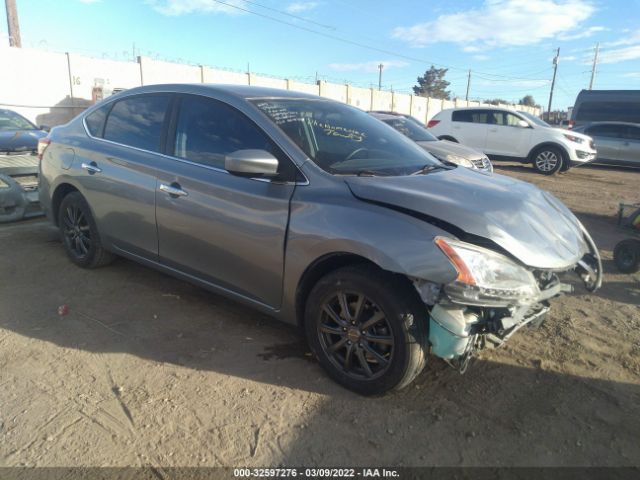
x: 493, y: 129
x: 91, y: 168
x: 174, y: 190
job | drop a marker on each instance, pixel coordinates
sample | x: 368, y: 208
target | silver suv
x: 318, y: 214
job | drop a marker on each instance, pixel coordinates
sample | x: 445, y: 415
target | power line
x: 359, y: 44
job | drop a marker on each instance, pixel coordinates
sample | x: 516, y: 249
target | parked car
x: 316, y: 213
x: 18, y: 167
x: 509, y: 135
x: 402, y: 115
x: 618, y: 143
x: 605, y: 106
x: 443, y: 150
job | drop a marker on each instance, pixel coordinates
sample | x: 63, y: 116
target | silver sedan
x: 317, y: 214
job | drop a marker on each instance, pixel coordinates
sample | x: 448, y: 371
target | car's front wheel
x: 548, y: 160
x: 367, y: 328
x: 79, y: 233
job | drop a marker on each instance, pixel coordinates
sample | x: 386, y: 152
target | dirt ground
x: 149, y: 370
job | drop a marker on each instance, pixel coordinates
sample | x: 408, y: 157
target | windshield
x: 12, y: 121
x: 411, y: 129
x: 534, y: 119
x: 343, y: 140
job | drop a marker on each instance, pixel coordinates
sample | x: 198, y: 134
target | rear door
x: 608, y: 138
x: 505, y: 137
x: 119, y: 170
x: 224, y: 229
x: 470, y: 127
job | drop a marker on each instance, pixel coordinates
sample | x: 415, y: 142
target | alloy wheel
x: 355, y: 335
x: 76, y: 231
x: 546, y: 161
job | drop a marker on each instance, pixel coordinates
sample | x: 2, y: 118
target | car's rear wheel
x: 548, y: 160
x: 367, y: 329
x: 79, y: 233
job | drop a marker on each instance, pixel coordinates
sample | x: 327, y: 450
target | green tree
x: 528, y: 101
x: 497, y: 101
x: 432, y: 84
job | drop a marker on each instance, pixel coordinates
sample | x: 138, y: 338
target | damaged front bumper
x: 459, y: 329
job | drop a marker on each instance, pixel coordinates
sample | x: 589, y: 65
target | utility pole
x: 593, y: 69
x: 556, y: 59
x: 468, y: 86
x: 380, y: 67
x: 13, y: 24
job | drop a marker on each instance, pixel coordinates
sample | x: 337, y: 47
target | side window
x: 207, y: 130
x: 95, y: 120
x: 461, y: 116
x: 609, y: 131
x: 510, y: 119
x: 481, y: 116
x: 633, y: 134
x: 137, y: 121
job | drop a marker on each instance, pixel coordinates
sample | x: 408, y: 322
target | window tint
x: 208, y: 130
x: 613, y: 111
x: 95, y: 120
x: 471, y: 116
x: 610, y: 131
x: 137, y: 121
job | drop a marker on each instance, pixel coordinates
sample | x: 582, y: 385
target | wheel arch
x: 59, y: 193
x: 319, y: 268
x: 537, y: 148
x: 448, y: 137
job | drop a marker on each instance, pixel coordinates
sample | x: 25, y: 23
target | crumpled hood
x: 529, y: 223
x: 20, y: 140
x: 442, y: 148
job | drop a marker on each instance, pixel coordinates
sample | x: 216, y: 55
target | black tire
x: 447, y: 137
x: 548, y: 160
x: 626, y: 255
x: 79, y: 233
x: 381, y: 349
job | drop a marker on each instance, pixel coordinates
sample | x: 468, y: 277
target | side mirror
x: 522, y: 124
x: 251, y: 163
x: 44, y: 128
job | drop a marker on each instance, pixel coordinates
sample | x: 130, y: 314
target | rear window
x: 10, y: 121
x: 609, y: 111
x: 137, y: 121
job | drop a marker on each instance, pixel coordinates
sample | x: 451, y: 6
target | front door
x: 505, y: 137
x: 608, y: 138
x: 224, y: 229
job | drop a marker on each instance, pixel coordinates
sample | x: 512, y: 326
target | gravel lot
x: 148, y: 370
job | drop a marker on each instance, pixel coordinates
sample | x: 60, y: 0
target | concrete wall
x: 51, y: 88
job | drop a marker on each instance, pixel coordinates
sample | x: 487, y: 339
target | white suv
x: 509, y: 135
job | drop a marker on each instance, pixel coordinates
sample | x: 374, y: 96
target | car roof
x: 483, y: 107
x: 239, y: 91
x: 605, y: 122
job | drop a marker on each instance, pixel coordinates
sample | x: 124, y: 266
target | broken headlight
x: 486, y: 278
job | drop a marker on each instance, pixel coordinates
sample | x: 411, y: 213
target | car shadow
x: 499, y: 413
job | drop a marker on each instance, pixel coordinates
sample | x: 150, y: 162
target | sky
x: 508, y: 45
